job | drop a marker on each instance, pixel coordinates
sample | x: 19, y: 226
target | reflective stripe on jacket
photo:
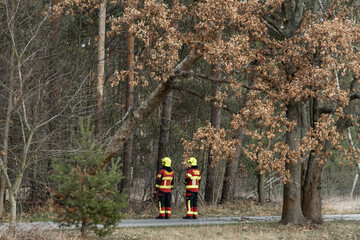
x: 164, y: 180
x: 192, y: 180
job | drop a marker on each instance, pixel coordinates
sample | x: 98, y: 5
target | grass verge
x: 248, y: 231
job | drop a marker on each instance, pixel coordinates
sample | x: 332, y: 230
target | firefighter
x: 164, y: 184
x: 192, y: 180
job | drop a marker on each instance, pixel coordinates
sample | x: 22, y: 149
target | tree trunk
x: 165, y: 116
x: 8, y: 116
x: 51, y: 88
x: 129, y: 103
x: 101, y: 70
x: 231, y: 169
x: 136, y: 117
x: 211, y: 184
x: 261, y: 188
x: 291, y: 212
x: 312, y: 200
x: 228, y: 190
x: 354, y: 182
x: 12, y: 201
x: 357, y: 167
x: 164, y: 129
x: 83, y: 229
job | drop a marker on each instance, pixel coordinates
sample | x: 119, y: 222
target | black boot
x: 160, y: 217
x: 187, y: 217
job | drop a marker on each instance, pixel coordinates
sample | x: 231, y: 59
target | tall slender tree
x: 9, y: 106
x: 212, y: 186
x: 129, y: 104
x: 232, y: 165
x: 100, y: 69
x: 164, y: 129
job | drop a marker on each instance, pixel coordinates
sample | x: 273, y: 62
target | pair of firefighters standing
x: 164, y: 183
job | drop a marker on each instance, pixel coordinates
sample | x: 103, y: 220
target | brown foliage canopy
x: 317, y: 62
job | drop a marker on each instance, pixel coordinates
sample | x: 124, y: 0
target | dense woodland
x: 263, y: 93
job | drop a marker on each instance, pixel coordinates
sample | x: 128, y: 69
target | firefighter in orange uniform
x: 164, y: 183
x: 192, y: 180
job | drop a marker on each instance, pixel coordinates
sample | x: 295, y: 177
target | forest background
x: 263, y: 93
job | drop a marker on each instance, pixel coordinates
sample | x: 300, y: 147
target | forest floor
x: 341, y: 205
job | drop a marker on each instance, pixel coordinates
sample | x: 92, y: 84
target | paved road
x: 186, y: 222
x: 220, y: 220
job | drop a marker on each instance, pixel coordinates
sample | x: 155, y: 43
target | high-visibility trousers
x: 192, y: 204
x: 164, y: 204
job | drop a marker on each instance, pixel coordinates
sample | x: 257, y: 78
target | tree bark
x: 312, y: 200
x: 261, y: 188
x: 354, y: 182
x: 291, y: 212
x: 12, y: 201
x: 8, y: 115
x: 129, y: 104
x: 228, y: 190
x: 101, y: 70
x: 211, y: 185
x: 164, y: 129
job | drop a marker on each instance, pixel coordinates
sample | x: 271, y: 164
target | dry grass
x: 341, y: 206
x: 35, y: 233
x: 253, y: 231
x: 239, y: 208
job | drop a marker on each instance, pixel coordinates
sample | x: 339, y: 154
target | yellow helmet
x: 192, y: 161
x: 166, y: 162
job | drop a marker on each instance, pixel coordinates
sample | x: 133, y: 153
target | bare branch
x: 271, y: 24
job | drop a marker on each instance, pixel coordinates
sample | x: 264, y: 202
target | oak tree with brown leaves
x: 305, y: 61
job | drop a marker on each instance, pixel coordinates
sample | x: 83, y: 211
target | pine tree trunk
x: 101, y: 70
x: 211, y: 185
x: 165, y: 116
x: 129, y: 103
x: 164, y: 129
x: 291, y: 212
x: 83, y: 229
x: 228, y: 190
